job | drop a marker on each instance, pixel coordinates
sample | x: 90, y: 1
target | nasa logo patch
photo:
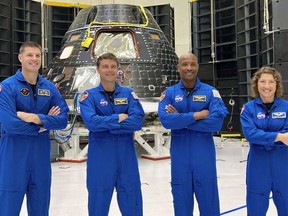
x: 83, y: 96
x: 25, y: 91
x: 103, y: 102
x: 179, y: 98
x: 261, y: 115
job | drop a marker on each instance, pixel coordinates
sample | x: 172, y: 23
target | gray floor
x: 69, y: 195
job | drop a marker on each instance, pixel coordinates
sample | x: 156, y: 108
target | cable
x: 56, y: 134
x: 231, y: 103
x: 65, y: 138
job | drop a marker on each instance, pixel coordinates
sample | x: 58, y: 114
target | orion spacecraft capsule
x: 147, y: 61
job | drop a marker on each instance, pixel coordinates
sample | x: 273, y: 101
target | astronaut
x: 192, y: 110
x: 265, y: 124
x: 30, y: 106
x: 112, y: 113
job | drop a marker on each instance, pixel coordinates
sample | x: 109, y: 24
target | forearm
x: 29, y: 118
x: 209, y: 124
x: 177, y: 120
x: 131, y: 124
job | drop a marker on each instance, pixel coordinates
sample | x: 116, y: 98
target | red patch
x: 25, y: 91
x: 163, y: 95
x: 83, y: 96
x: 0, y: 88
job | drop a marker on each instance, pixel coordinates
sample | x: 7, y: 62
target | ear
x: 177, y: 67
x: 20, y: 57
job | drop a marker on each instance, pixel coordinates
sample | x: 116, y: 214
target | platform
x: 161, y: 145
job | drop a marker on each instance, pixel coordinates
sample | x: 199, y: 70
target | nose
x: 189, y: 67
x: 35, y: 57
x: 266, y: 84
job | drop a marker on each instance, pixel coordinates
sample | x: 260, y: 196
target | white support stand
x: 75, y: 153
x: 159, y: 151
x: 161, y: 143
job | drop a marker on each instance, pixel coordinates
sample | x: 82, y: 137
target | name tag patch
x: 44, y: 92
x: 120, y: 101
x: 276, y: 115
x: 199, y: 98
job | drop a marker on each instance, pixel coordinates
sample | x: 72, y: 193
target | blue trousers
x: 25, y: 169
x: 113, y: 164
x: 193, y: 171
x: 267, y: 171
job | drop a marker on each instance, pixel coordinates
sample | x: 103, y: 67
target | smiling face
x: 107, y: 70
x: 267, y: 87
x: 30, y: 59
x: 188, y: 69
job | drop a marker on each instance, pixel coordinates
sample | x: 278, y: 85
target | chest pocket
x: 190, y: 104
x: 277, y: 120
x: 23, y: 99
x: 121, y: 104
x: 43, y: 102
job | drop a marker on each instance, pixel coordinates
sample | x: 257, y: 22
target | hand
x: 282, y: 137
x: 201, y: 114
x: 122, y: 117
x: 55, y: 110
x: 170, y: 109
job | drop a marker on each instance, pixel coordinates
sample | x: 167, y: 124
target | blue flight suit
x: 267, y: 165
x: 25, y: 166
x: 112, y: 160
x: 193, y: 159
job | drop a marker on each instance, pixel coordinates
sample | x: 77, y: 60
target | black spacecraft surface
x: 147, y: 60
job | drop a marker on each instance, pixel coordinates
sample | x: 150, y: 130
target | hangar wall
x: 231, y: 38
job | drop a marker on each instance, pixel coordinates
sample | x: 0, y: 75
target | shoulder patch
x: 163, y: 95
x: 216, y: 93
x: 0, y: 88
x: 134, y: 95
x: 242, y: 109
x: 84, y: 95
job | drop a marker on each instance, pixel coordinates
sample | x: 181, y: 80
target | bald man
x: 193, y: 111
